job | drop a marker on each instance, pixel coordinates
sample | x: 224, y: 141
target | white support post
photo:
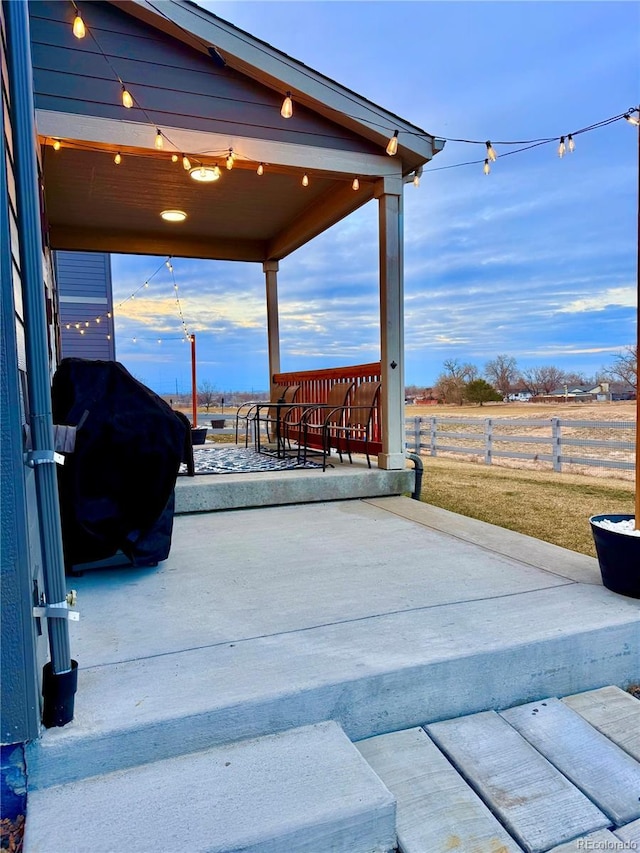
x: 389, y: 195
x: 270, y: 269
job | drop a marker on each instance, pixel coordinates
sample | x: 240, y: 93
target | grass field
x: 553, y: 507
x: 550, y: 506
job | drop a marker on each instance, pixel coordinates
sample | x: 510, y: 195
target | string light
x: 356, y: 184
x: 174, y: 158
x: 127, y: 100
x: 633, y: 116
x: 56, y: 144
x: 230, y: 159
x: 392, y: 144
x: 305, y: 180
x: 117, y: 159
x: 79, y: 30
x: 571, y: 144
x: 286, y: 110
x: 491, y: 154
x: 487, y: 167
x: 561, y: 148
x: 159, y: 140
x: 416, y: 179
x: 260, y: 169
x: 186, y: 163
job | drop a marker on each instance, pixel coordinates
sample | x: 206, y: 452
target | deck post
x: 270, y: 269
x: 390, y: 226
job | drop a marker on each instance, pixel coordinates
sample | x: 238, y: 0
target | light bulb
x: 230, y: 159
x: 79, y: 30
x: 392, y: 144
x: 108, y: 337
x: 159, y: 139
x: 82, y: 331
x: 286, y: 111
x: 174, y: 158
x: 117, y: 159
x: 56, y: 144
x: 216, y: 172
x: 416, y: 180
x: 127, y: 100
x: 356, y: 184
x: 561, y: 148
x: 97, y: 319
x: 186, y: 163
x: 260, y: 169
x: 487, y: 168
x: 491, y: 154
x: 633, y: 117
x: 305, y: 180
x: 572, y: 145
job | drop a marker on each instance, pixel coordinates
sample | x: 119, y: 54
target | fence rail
x: 613, y: 442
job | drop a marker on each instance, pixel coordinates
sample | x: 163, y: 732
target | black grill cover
x: 116, y: 488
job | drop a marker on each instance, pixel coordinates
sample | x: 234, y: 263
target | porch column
x: 390, y: 226
x: 270, y: 269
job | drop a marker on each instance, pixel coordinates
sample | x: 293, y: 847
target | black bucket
x: 618, y: 555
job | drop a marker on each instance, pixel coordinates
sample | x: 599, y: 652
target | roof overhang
x: 93, y: 205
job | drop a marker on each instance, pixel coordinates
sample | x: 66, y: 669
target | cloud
x: 624, y: 297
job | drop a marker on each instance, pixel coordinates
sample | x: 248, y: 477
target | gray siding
x: 175, y: 85
x: 22, y: 645
x: 84, y: 295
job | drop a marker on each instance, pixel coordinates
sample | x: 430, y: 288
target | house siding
x: 85, y: 295
x: 173, y: 84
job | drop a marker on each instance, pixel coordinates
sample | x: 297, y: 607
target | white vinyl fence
x: 558, y: 442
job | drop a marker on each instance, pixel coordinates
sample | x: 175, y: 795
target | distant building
x: 86, y: 305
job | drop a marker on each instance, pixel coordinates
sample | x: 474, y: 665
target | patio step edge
x: 307, y: 790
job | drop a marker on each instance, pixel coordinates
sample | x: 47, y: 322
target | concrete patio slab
x: 265, y: 620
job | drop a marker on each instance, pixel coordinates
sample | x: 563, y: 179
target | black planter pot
x: 198, y: 435
x: 618, y: 555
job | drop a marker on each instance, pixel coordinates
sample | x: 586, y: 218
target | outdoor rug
x: 238, y: 460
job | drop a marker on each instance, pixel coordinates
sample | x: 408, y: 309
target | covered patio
x: 208, y: 135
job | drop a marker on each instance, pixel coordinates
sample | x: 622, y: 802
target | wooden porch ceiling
x: 94, y: 205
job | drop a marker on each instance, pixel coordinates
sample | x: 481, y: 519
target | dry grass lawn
x: 550, y: 506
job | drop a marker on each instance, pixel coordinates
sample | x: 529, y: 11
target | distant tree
x: 206, y: 394
x: 625, y: 368
x: 480, y: 391
x: 575, y: 379
x: 542, y: 380
x: 502, y: 373
x: 450, y: 385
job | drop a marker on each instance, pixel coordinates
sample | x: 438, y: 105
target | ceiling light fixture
x: 205, y: 174
x: 173, y: 215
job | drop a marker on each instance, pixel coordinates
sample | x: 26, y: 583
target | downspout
x: 60, y: 675
x: 419, y: 468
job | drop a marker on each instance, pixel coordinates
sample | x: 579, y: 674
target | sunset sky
x: 536, y: 260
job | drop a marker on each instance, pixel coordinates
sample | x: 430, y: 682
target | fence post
x: 556, y: 449
x: 417, y: 427
x: 488, y: 440
x: 433, y: 436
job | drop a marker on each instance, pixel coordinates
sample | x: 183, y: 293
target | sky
x: 536, y: 260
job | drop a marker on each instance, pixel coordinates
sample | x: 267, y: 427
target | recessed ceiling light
x: 205, y: 174
x: 174, y: 215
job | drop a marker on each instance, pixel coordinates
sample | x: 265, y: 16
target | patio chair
x: 316, y: 422
x: 358, y: 420
x: 247, y: 411
x: 272, y: 419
